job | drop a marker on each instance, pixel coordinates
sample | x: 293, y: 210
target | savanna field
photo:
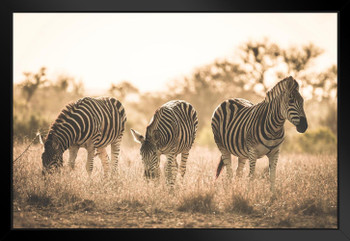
x: 306, y: 176
x: 306, y: 193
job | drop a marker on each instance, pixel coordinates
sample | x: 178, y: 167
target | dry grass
x: 306, y: 197
x: 197, y: 202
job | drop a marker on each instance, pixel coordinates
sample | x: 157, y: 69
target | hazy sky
x: 151, y: 49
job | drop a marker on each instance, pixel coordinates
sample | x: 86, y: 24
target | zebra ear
x: 137, y: 136
x: 292, y: 84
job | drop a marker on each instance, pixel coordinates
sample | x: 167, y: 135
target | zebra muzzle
x: 302, y: 127
x: 146, y: 174
x: 150, y: 174
x: 47, y: 171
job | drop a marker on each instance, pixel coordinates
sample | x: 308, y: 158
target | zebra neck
x: 61, y: 142
x: 152, y: 125
x: 274, y: 122
x: 162, y: 122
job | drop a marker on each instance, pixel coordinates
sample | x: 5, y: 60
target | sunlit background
x: 146, y: 59
x: 151, y: 49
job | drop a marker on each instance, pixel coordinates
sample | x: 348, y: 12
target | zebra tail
x: 221, y: 164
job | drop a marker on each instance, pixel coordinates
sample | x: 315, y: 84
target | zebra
x: 92, y: 123
x: 171, y: 131
x: 251, y: 131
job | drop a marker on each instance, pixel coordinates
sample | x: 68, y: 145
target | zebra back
x: 100, y: 119
x: 173, y: 125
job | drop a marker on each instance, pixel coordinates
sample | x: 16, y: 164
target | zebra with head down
x: 251, y: 131
x: 172, y: 131
x: 92, y: 123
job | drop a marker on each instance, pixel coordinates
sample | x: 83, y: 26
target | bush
x: 27, y: 126
x: 42, y: 200
x: 197, y: 202
x: 315, y: 141
x: 205, y: 137
x: 321, y: 140
x: 240, y: 204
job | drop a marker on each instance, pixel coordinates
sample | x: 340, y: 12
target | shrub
x: 205, y: 137
x: 84, y: 205
x: 321, y: 140
x: 27, y: 126
x: 239, y: 204
x: 314, y: 141
x: 41, y: 200
x: 198, y: 202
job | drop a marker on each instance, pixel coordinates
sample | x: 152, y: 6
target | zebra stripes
x: 171, y: 131
x: 92, y: 123
x: 251, y: 131
x: 241, y: 128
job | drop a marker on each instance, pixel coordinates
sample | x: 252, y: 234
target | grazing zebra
x: 251, y: 131
x: 92, y: 123
x: 171, y: 131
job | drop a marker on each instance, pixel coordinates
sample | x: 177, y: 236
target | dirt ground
x: 140, y: 218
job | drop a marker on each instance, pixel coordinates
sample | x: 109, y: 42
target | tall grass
x: 306, y: 186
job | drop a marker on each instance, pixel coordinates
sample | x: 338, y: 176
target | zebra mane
x: 66, y: 110
x: 60, y: 119
x: 284, y: 86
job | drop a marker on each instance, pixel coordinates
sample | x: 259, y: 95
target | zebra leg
x: 239, y: 170
x: 102, y: 154
x: 176, y: 164
x: 115, y: 150
x: 252, y: 161
x: 90, y: 158
x: 157, y: 168
x: 226, y: 158
x: 273, y: 158
x: 184, y: 157
x: 73, y: 151
x: 169, y: 170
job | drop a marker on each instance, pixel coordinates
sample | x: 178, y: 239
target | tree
x: 122, y: 89
x: 324, y: 85
x: 65, y: 83
x: 298, y: 59
x: 299, y: 63
x: 32, y: 82
x: 257, y: 58
x: 40, y: 99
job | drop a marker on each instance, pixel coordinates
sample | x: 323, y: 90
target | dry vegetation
x: 306, y: 183
x: 306, y: 194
